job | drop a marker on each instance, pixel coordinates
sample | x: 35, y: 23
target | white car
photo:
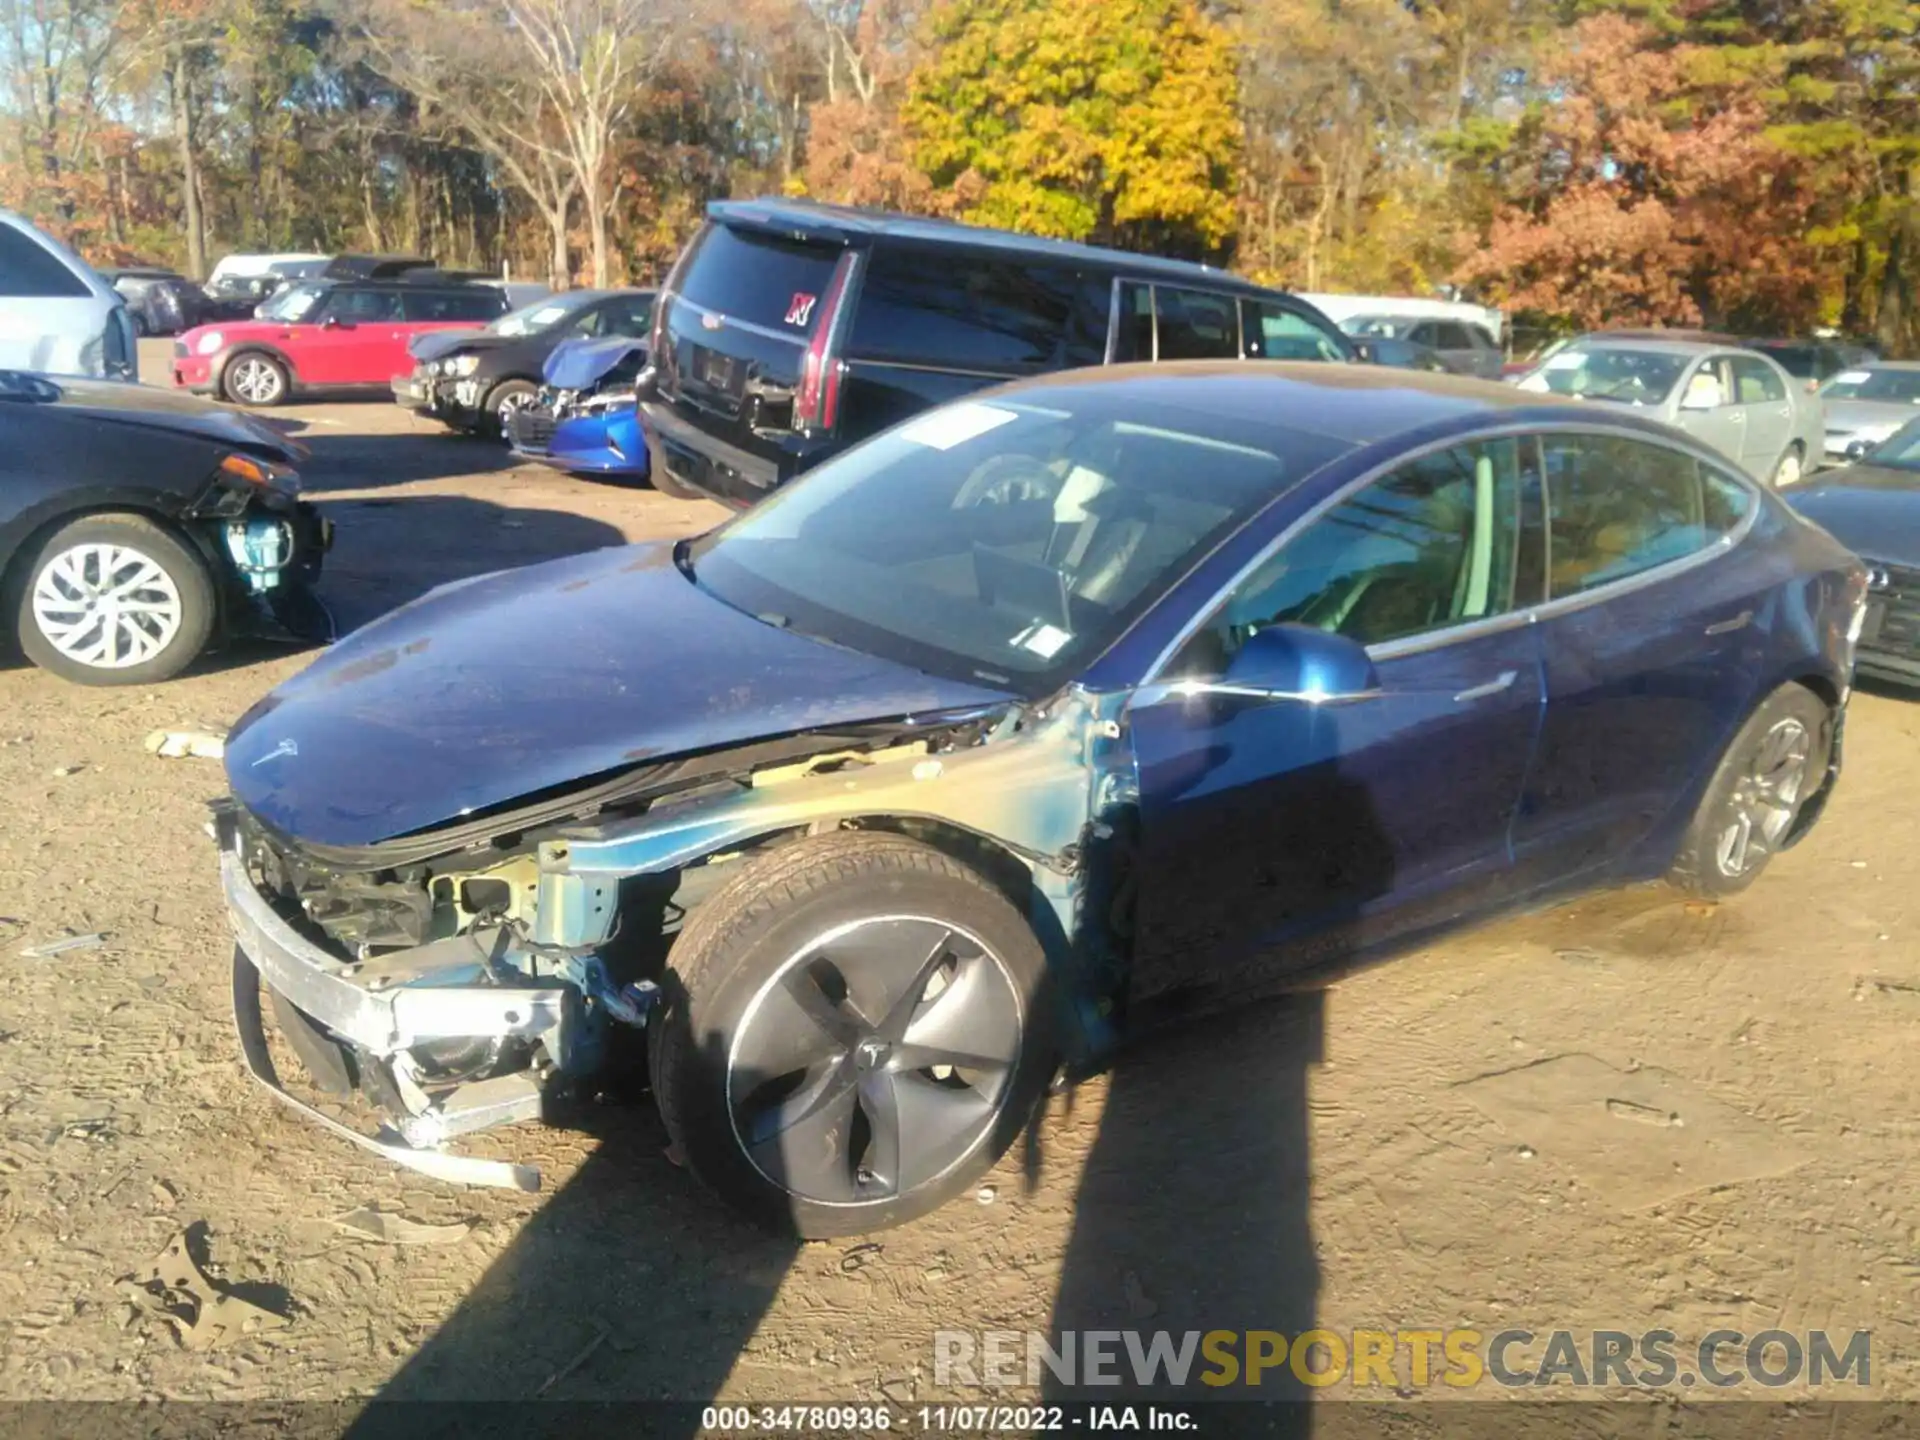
x: 57, y: 316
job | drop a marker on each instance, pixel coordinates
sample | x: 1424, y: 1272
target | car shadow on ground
x: 365, y: 462
x: 387, y: 551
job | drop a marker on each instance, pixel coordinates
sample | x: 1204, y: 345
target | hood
x: 1853, y: 415
x: 154, y: 408
x: 577, y: 364
x: 438, y: 344
x: 500, y: 688
x: 1873, y: 510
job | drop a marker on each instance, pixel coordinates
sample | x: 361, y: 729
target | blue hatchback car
x: 1033, y: 721
x: 584, y: 419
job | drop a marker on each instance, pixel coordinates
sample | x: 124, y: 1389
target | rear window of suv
x: 761, y: 279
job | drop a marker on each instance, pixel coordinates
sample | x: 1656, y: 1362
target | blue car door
x: 1650, y: 639
x: 1277, y: 834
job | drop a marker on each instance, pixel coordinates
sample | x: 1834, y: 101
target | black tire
x: 763, y: 925
x: 1714, y: 861
x: 505, y: 397
x: 249, y: 362
x: 192, y: 595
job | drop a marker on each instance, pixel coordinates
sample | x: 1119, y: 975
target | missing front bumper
x: 382, y: 1018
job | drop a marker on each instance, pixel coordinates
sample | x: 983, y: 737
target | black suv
x: 789, y: 331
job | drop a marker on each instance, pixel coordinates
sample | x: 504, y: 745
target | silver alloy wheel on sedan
x: 874, y: 1061
x: 1789, y: 471
x: 510, y: 405
x: 106, y: 606
x: 256, y: 380
x: 1765, y: 798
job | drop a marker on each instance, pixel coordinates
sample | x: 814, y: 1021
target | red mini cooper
x: 325, y: 335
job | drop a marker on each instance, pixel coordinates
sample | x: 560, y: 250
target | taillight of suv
x: 816, y: 405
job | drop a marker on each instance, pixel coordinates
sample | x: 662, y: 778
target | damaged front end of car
x: 478, y: 973
x: 585, y: 418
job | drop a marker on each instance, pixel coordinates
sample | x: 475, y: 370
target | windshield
x: 1899, y: 387
x: 539, y: 316
x: 1009, y: 541
x: 1900, y: 450
x: 296, y: 302
x: 1630, y: 377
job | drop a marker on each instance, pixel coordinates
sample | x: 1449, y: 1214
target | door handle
x: 1492, y: 687
x: 1727, y: 627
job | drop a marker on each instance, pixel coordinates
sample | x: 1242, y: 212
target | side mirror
x: 334, y: 322
x: 1364, y: 351
x: 1299, y: 662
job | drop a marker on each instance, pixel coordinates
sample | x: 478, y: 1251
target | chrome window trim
x: 1547, y: 609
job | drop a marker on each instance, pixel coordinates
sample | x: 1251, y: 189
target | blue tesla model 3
x: 1035, y: 720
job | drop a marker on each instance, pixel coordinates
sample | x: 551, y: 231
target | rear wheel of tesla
x: 1774, y: 766
x: 114, y: 600
x: 856, y: 1027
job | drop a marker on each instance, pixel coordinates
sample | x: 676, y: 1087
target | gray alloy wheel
x: 855, y: 1027
x: 1765, y: 798
x: 254, y: 379
x: 874, y: 1061
x: 1770, y: 771
x: 1790, y: 470
x: 506, y: 400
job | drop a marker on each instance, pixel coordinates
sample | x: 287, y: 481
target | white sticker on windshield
x: 955, y: 425
x: 1566, y: 360
x: 1042, y: 639
x: 1849, y: 377
x: 1535, y: 383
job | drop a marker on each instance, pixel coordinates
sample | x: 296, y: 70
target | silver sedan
x: 1737, y: 401
x: 1868, y: 403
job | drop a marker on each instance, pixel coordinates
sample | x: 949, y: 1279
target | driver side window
x: 1437, y: 543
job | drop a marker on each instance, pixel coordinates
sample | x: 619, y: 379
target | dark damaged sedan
x: 1036, y: 720
x: 137, y: 527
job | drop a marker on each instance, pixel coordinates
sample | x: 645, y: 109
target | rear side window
x: 1276, y: 333
x: 762, y: 279
x: 430, y: 305
x: 1194, y: 325
x: 30, y: 272
x: 1755, y: 382
x: 1617, y: 507
x: 966, y: 313
x: 1453, y: 337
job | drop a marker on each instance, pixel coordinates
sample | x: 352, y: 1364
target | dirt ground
x: 1386, y: 1154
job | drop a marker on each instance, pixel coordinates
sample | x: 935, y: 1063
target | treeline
x: 1718, y: 162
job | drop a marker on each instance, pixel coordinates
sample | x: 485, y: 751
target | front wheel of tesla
x: 1775, y: 765
x: 856, y: 1027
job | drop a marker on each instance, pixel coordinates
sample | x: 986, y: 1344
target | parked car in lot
x: 1873, y: 508
x: 584, y: 419
x: 326, y: 335
x: 231, y: 269
x: 789, y: 331
x: 1740, y: 403
x: 475, y: 381
x: 1404, y: 354
x: 1866, y: 405
x: 159, y: 302
x: 57, y: 316
x: 1042, y: 717
x: 1464, y: 348
x: 137, y: 527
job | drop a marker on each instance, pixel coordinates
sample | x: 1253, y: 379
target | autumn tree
x: 1642, y: 195
x: 1087, y: 119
